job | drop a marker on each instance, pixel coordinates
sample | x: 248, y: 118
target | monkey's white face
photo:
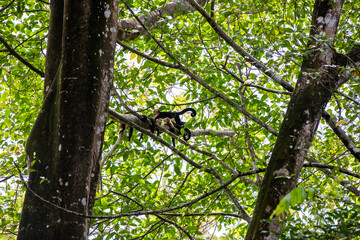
x: 167, y: 120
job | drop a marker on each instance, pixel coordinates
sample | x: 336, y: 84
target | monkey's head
x: 167, y: 121
x: 156, y: 112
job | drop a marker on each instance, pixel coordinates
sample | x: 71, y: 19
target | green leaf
x: 177, y: 169
x: 298, y: 196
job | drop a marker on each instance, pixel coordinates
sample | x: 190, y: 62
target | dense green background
x: 274, y: 32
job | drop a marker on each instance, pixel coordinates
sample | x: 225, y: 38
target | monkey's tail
x: 187, y: 134
x: 193, y: 111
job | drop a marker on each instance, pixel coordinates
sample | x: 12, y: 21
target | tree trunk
x: 65, y: 143
x: 317, y: 82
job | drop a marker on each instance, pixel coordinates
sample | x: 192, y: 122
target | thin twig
x: 21, y: 59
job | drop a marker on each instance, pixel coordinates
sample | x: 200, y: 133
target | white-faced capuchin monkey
x: 144, y: 118
x: 176, y: 127
x: 174, y: 115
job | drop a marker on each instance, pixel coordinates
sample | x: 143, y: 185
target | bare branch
x: 355, y: 151
x: 316, y: 164
x: 8, y: 5
x: 348, y: 97
x: 129, y: 29
x: 21, y: 59
x: 323, y: 168
x: 175, y: 224
x: 267, y: 89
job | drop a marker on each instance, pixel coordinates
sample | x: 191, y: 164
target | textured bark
x: 53, y: 50
x: 129, y: 29
x: 317, y: 82
x: 65, y: 142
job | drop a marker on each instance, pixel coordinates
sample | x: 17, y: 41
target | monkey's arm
x: 158, y: 122
x: 131, y: 130
x: 170, y: 124
x: 123, y: 127
x: 152, y: 125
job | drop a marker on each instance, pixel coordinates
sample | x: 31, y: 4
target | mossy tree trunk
x: 317, y: 82
x: 64, y: 146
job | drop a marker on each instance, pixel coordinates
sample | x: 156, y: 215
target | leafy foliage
x: 24, y: 29
x: 147, y: 176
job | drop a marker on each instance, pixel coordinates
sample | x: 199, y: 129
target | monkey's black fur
x: 173, y: 126
x: 152, y: 126
x: 174, y: 115
x: 131, y: 130
x: 187, y: 133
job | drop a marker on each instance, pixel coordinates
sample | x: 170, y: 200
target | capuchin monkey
x: 144, y: 118
x: 174, y: 115
x: 158, y: 122
x: 176, y: 127
x: 123, y: 127
x: 152, y: 126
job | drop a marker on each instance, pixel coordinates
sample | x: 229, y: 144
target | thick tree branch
x: 194, y: 133
x: 129, y: 29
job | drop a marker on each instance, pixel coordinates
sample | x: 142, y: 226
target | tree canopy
x: 276, y: 88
